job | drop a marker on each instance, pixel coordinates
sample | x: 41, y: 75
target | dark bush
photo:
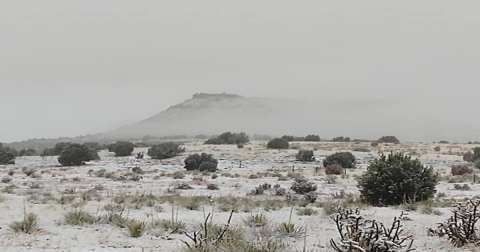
x: 344, y: 159
x: 461, y: 170
x: 122, y: 148
x: 341, y: 139
x: 76, y: 154
x: 165, y: 150
x: 303, y: 186
x: 278, y: 143
x: 468, y: 157
x: 476, y: 154
x: 334, y: 169
x: 203, y: 162
x: 6, y: 157
x: 388, y: 139
x: 229, y: 138
x: 397, y: 179
x: 305, y: 156
x: 437, y: 148
x: 312, y: 138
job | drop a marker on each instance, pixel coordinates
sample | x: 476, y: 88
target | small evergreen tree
x: 278, y: 143
x: 122, y: 148
x: 397, y: 179
x: 344, y: 159
x: 165, y: 150
x: 76, y: 154
x: 388, y: 139
x: 6, y: 155
x: 202, y: 162
x: 229, y: 138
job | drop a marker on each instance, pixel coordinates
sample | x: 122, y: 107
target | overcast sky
x: 84, y: 66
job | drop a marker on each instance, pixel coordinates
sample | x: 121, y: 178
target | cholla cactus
x: 460, y: 228
x: 361, y: 235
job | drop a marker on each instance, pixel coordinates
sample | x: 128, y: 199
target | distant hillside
x: 212, y: 114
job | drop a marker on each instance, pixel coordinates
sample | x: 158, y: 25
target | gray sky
x: 83, y: 66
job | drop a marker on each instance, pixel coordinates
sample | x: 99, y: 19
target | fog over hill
x: 215, y: 113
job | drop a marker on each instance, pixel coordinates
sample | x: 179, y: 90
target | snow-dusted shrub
x: 397, y: 179
x: 229, y: 138
x: 165, y: 150
x: 360, y: 234
x: 461, y: 170
x: 344, y: 159
x: 76, y: 154
x: 202, y: 162
x: 278, y: 143
x: 303, y: 186
x: 122, y: 148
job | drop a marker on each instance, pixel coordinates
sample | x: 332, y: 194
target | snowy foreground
x: 110, y: 186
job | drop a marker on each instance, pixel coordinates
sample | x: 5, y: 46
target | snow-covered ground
x: 54, y: 191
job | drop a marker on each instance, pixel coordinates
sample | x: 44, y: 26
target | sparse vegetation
x: 461, y: 228
x: 28, y: 225
x: 79, y: 217
x: 360, y: 234
x: 136, y: 228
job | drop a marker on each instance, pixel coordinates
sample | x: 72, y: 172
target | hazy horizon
x: 70, y: 68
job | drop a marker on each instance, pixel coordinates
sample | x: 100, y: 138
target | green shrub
x: 476, y: 154
x: 122, y: 148
x: 229, y: 138
x: 305, y: 156
x: 203, y: 162
x: 6, y: 157
x: 303, y: 186
x: 165, y: 150
x: 76, y: 154
x: 468, y: 157
x: 278, y: 143
x: 461, y: 170
x: 312, y: 138
x: 388, y: 139
x: 397, y: 179
x: 344, y: 159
